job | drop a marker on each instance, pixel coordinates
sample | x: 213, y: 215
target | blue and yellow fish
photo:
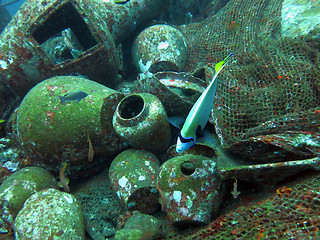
x: 120, y: 1
x: 199, y: 113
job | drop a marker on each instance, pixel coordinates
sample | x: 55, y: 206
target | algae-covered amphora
x: 189, y: 187
x: 141, y: 120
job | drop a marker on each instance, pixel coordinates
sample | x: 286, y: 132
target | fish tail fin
x: 62, y: 99
x: 221, y: 64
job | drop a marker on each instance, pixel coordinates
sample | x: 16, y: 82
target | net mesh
x: 272, y: 84
x: 288, y: 213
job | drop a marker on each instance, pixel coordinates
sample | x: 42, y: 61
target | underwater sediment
x: 94, y: 85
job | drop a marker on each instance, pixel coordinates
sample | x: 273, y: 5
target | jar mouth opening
x: 131, y: 107
x: 163, y: 65
x: 187, y: 168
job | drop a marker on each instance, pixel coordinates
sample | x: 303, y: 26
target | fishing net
x: 272, y: 84
x: 270, y: 87
x: 288, y: 213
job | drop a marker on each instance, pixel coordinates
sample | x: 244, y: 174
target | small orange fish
x: 5, y: 236
x: 235, y: 192
x: 63, y: 179
x: 146, y: 236
x: 232, y: 27
x: 163, y: 200
x: 91, y: 151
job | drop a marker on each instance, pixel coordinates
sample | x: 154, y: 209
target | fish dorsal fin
x: 176, y: 121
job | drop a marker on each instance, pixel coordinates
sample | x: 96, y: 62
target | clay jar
x: 132, y: 175
x: 163, y: 45
x: 189, y: 188
x: 141, y: 121
x: 50, y: 132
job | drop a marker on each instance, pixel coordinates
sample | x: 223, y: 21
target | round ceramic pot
x: 163, y: 45
x: 68, y: 118
x: 54, y: 37
x: 189, y: 188
x: 133, y: 174
x: 141, y: 121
